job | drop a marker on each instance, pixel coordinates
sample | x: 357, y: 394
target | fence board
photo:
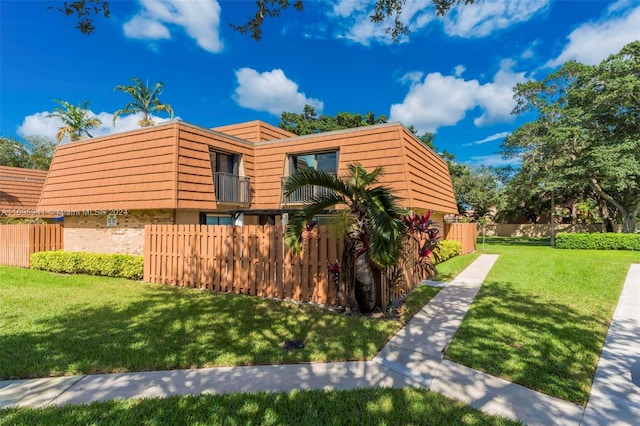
x: 18, y: 242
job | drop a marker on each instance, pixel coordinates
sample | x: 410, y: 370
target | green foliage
x: 383, y: 11
x: 598, y: 241
x: 145, y: 100
x: 446, y: 249
x: 84, y: 9
x: 109, y: 265
x: 35, y: 153
x: 76, y: 119
x: 585, y: 135
x: 308, y: 122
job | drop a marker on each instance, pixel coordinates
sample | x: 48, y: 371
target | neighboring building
x: 176, y: 173
x: 20, y: 190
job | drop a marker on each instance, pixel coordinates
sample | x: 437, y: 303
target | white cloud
x: 458, y: 70
x: 592, y: 42
x: 494, y: 137
x: 484, y: 17
x: 354, y: 19
x: 40, y: 124
x: 199, y: 19
x: 271, y: 91
x: 444, y: 100
x: 412, y: 77
x: 494, y: 160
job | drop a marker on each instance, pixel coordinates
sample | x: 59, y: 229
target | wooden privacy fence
x: 17, y: 242
x: 253, y: 260
x: 466, y: 233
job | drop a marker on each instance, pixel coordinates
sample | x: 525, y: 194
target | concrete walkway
x: 413, y: 357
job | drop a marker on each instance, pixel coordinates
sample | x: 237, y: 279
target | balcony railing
x: 231, y: 188
x: 302, y: 195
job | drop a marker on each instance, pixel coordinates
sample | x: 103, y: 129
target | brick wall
x: 90, y: 233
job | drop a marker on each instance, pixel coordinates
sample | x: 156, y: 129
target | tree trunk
x: 365, y: 284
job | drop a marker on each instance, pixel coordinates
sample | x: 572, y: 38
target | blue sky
x: 452, y: 76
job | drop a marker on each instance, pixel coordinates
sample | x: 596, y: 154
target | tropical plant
x: 423, y: 232
x: 77, y: 120
x: 145, y: 101
x: 373, y: 228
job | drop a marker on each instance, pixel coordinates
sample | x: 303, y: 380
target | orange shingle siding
x: 20, y: 189
x: 167, y: 166
x: 255, y: 131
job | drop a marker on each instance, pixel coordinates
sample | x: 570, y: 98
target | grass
x: 541, y: 317
x: 55, y: 325
x: 355, y: 407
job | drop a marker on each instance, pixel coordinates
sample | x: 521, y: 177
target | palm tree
x: 373, y: 228
x: 77, y: 120
x: 144, y: 100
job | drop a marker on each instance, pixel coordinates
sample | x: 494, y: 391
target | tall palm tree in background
x: 77, y: 120
x: 145, y: 101
x: 373, y: 228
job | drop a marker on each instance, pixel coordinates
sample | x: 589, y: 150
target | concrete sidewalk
x: 412, y: 358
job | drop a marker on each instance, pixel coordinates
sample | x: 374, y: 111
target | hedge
x: 446, y: 249
x: 598, y: 241
x: 110, y: 265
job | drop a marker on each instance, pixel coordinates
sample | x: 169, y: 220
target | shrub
x: 598, y: 241
x: 446, y: 249
x: 110, y: 265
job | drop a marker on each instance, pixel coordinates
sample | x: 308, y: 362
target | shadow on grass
x: 363, y: 406
x: 542, y: 345
x: 169, y: 328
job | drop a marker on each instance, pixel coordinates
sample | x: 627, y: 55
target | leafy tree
x: 41, y: 150
x: 14, y: 154
x: 144, y: 100
x: 36, y: 153
x: 83, y: 9
x: 372, y: 222
x: 308, y: 122
x: 383, y: 9
x: 427, y: 138
x: 587, y: 130
x: 77, y: 120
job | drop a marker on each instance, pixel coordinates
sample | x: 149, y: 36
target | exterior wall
x: 131, y: 170
x: 537, y: 230
x: 195, y: 178
x: 187, y: 217
x: 413, y: 172
x: 91, y: 234
x: 427, y: 176
x: 20, y: 190
x: 255, y: 131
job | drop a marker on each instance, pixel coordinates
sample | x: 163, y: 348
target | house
x: 20, y: 190
x: 109, y: 188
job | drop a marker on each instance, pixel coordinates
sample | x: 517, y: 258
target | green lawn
x: 541, y: 317
x: 52, y: 325
x: 357, y: 407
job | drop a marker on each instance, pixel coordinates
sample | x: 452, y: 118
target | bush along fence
x: 597, y: 241
x: 18, y: 242
x: 254, y: 260
x: 73, y: 262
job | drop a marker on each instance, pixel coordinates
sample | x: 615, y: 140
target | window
x: 213, y: 219
x: 223, y: 162
x: 326, y: 161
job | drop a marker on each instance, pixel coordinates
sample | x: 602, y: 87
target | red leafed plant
x: 423, y: 230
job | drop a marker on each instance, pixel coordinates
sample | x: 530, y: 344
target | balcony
x: 301, y: 195
x: 231, y: 189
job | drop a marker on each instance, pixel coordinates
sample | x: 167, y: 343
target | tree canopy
x: 86, y: 10
x: 35, y: 153
x: 76, y: 119
x: 308, y: 122
x: 145, y: 100
x: 587, y: 131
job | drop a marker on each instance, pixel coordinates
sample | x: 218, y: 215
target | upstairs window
x: 325, y: 161
x: 222, y: 162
